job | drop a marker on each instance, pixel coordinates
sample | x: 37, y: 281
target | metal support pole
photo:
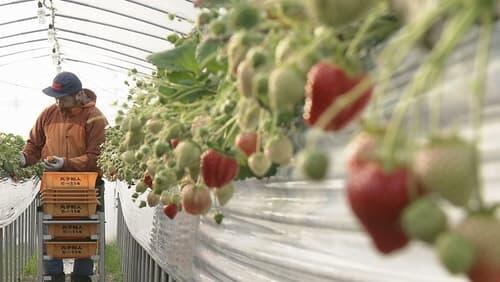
x: 24, y: 255
x: 8, y: 267
x: 139, y: 262
x: 15, y: 255
x: 163, y: 277
x: 40, y: 246
x: 2, y: 252
x: 157, y: 273
x: 129, y: 257
x: 102, y: 246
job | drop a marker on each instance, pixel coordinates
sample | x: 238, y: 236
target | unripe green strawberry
x: 286, y: 88
x: 218, y: 27
x: 292, y: 11
x: 139, y: 156
x: 160, y: 148
x: 279, y: 149
x: 173, y: 131
x: 260, y: 86
x: 137, y: 122
x: 172, y: 38
x: 154, y: 126
x: 248, y: 114
x: 218, y: 217
x: 142, y: 204
x: 424, y: 220
x: 163, y: 180
x: 140, y: 187
x: 128, y: 157
x: 153, y: 199
x: 203, y: 18
x: 236, y: 49
x: 455, y: 252
x: 145, y: 150
x: 165, y: 197
x: 285, y: 48
x: 153, y: 165
x: 483, y: 231
x: 337, y: 13
x: 244, y: 16
x: 244, y: 76
x: 259, y: 164
x: 448, y: 167
x: 224, y: 194
x: 313, y: 164
x: 258, y: 57
x: 187, y: 155
x: 133, y: 139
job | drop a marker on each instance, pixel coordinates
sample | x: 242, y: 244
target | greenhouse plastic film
x: 17, y: 196
x: 169, y: 242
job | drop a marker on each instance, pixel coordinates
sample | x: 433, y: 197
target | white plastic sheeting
x: 278, y: 230
x: 16, y: 198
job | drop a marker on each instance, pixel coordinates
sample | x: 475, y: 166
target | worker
x: 67, y: 137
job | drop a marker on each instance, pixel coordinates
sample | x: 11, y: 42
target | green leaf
x: 181, y: 77
x: 181, y: 58
x: 166, y: 90
x: 207, y: 51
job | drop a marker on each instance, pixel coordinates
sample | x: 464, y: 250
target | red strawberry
x: 483, y: 232
x: 218, y: 169
x: 325, y: 84
x: 148, y: 180
x: 247, y: 142
x: 387, y: 238
x: 170, y: 210
x: 174, y: 142
x: 378, y: 198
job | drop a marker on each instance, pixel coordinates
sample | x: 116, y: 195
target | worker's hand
x: 21, y: 159
x: 53, y: 163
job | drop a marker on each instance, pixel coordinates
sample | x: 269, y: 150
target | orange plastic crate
x: 73, y: 191
x: 67, y: 231
x: 68, y: 198
x: 68, y: 180
x: 69, y: 209
x: 61, y: 250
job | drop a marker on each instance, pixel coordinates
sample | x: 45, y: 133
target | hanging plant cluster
x: 227, y: 101
x: 10, y: 167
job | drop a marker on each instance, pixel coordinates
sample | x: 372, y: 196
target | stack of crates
x: 69, y: 209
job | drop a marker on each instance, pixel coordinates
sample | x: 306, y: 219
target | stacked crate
x: 69, y: 209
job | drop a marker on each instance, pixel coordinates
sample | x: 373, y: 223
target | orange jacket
x: 75, y: 135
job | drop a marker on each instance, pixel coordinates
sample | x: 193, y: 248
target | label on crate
x: 71, y: 250
x: 68, y: 181
x: 71, y: 208
x: 72, y: 229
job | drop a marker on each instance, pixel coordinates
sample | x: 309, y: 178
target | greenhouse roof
x: 99, y: 40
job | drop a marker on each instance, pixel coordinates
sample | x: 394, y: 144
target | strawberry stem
x: 365, y: 27
x: 428, y: 73
x: 479, y: 89
x: 398, y: 49
x: 435, y: 110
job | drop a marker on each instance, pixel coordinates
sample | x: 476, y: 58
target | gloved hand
x: 21, y: 159
x: 53, y: 163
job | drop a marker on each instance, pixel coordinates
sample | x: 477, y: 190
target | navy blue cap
x: 64, y: 84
